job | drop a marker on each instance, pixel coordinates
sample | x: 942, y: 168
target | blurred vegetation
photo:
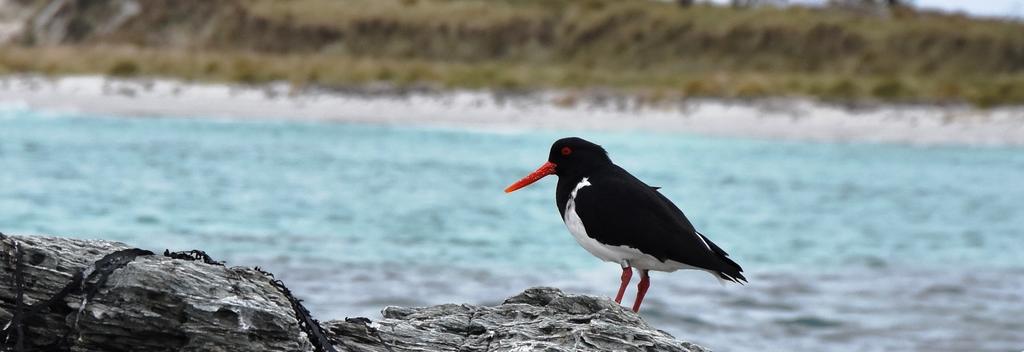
x: 657, y: 49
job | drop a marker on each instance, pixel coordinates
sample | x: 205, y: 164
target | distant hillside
x: 636, y: 46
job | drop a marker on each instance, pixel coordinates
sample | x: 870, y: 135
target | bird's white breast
x: 624, y: 255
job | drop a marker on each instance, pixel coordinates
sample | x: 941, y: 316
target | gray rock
x: 156, y: 303
x: 539, y: 319
x: 153, y: 303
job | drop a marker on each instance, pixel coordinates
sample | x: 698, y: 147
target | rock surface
x: 77, y: 296
x: 539, y: 319
x: 153, y: 303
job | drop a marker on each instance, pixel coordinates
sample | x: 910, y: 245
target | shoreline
x: 778, y: 118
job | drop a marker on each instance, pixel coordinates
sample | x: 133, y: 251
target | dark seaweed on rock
x: 310, y: 326
x: 100, y: 271
x: 192, y: 255
x: 152, y: 303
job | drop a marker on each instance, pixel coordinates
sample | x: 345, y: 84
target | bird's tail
x: 735, y: 274
x: 729, y: 270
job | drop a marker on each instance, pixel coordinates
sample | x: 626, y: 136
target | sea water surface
x: 848, y: 247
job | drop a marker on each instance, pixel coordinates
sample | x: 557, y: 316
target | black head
x: 574, y: 155
x: 568, y: 157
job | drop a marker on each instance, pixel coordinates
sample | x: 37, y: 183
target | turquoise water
x: 868, y: 247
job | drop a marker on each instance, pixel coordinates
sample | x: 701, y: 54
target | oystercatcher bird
x: 618, y: 218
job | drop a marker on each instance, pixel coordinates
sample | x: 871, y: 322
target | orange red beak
x: 547, y: 169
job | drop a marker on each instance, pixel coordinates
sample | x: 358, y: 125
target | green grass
x: 633, y: 46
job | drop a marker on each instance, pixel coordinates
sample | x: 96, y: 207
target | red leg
x: 627, y: 274
x: 641, y: 289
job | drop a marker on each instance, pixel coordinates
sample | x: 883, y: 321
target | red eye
x: 566, y: 150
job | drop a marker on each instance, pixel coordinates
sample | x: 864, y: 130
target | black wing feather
x: 619, y: 209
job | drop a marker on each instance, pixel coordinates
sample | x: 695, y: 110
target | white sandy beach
x: 791, y: 119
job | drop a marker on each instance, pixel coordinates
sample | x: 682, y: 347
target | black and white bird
x: 618, y: 218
